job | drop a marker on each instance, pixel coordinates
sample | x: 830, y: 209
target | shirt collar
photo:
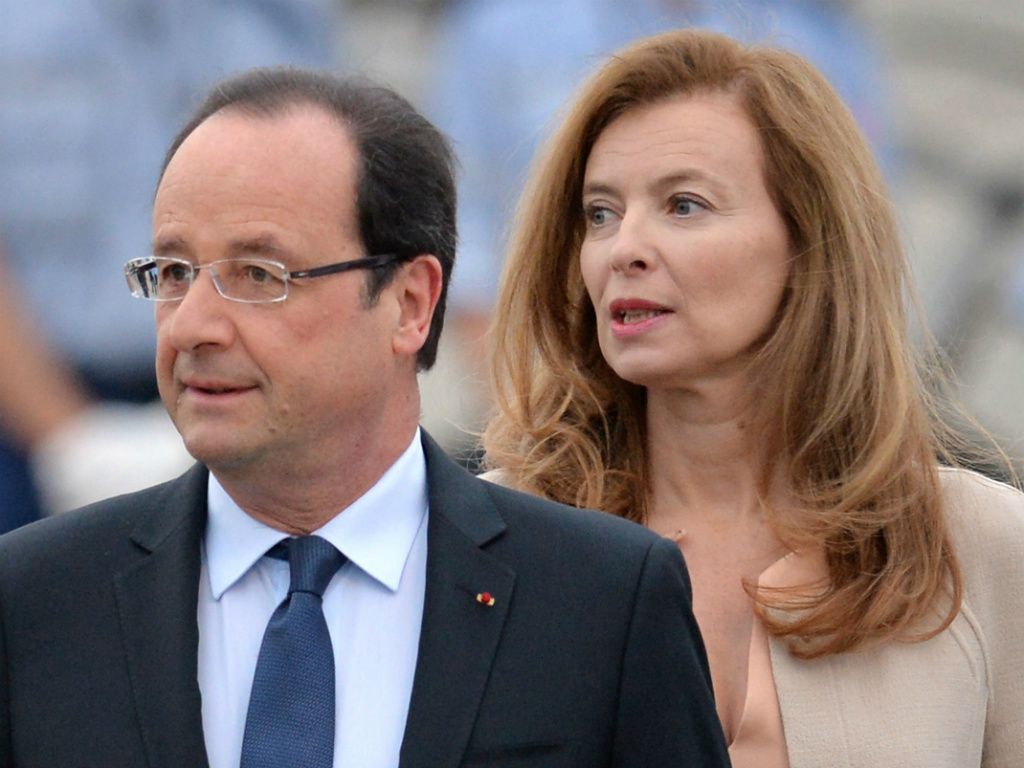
x: 376, y: 531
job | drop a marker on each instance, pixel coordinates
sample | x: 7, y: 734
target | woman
x: 701, y: 328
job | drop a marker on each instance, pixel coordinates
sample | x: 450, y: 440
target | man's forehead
x: 293, y: 133
x: 239, y: 175
x: 303, y: 147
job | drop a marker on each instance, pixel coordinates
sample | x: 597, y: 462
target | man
x: 92, y: 93
x: 303, y: 237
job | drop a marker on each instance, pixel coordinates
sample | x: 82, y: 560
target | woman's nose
x: 632, y: 249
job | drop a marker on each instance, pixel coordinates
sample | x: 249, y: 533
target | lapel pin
x: 485, y: 598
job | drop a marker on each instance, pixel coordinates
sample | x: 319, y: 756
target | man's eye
x: 258, y: 274
x: 175, y: 273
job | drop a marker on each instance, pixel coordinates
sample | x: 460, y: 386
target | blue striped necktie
x: 290, y: 723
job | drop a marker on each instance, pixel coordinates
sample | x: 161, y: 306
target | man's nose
x: 202, y: 317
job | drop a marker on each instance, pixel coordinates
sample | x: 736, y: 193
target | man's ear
x: 418, y: 285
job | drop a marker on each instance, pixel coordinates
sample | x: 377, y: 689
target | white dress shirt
x: 373, y: 607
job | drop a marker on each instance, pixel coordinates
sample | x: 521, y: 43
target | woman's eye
x: 597, y: 215
x: 685, y: 206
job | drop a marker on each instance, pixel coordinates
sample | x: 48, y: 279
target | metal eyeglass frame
x: 134, y: 266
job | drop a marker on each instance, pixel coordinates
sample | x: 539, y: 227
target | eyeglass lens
x: 250, y: 280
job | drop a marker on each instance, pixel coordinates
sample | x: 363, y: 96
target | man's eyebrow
x: 260, y: 245
x: 265, y: 245
x: 169, y: 246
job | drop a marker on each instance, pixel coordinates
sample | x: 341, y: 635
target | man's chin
x: 219, y: 451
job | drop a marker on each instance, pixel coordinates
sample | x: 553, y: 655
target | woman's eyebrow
x: 687, y: 176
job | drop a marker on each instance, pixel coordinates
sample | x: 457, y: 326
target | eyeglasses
x: 250, y: 281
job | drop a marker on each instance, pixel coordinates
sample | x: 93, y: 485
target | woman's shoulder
x: 983, y: 510
x: 986, y: 520
x: 987, y: 527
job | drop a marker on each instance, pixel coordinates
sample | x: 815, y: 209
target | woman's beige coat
x: 955, y: 701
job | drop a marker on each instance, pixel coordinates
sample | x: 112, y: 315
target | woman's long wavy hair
x: 845, y: 412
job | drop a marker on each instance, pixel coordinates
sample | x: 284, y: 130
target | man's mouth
x: 214, y: 387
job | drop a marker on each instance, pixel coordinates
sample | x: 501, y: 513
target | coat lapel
x: 157, y: 598
x: 460, y: 635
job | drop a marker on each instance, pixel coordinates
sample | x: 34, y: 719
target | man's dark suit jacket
x: 589, y: 656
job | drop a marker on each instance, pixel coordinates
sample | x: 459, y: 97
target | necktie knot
x: 313, y: 562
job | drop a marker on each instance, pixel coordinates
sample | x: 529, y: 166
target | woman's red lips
x: 635, y: 310
x: 631, y: 317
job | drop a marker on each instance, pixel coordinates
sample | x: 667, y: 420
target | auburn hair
x: 845, y: 411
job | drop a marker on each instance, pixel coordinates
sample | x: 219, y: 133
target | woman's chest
x: 724, y: 611
x: 726, y: 621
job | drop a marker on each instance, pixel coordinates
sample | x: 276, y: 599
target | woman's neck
x: 707, y: 461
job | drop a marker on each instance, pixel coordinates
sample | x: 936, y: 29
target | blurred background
x: 92, y: 92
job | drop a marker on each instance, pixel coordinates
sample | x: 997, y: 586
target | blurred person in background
x: 504, y: 69
x: 956, y: 71
x: 90, y: 94
x: 983, y: 306
x: 701, y: 327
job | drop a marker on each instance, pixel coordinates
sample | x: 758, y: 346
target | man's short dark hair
x: 405, y: 190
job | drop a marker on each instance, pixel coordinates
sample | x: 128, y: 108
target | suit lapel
x: 460, y: 635
x: 157, y: 598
